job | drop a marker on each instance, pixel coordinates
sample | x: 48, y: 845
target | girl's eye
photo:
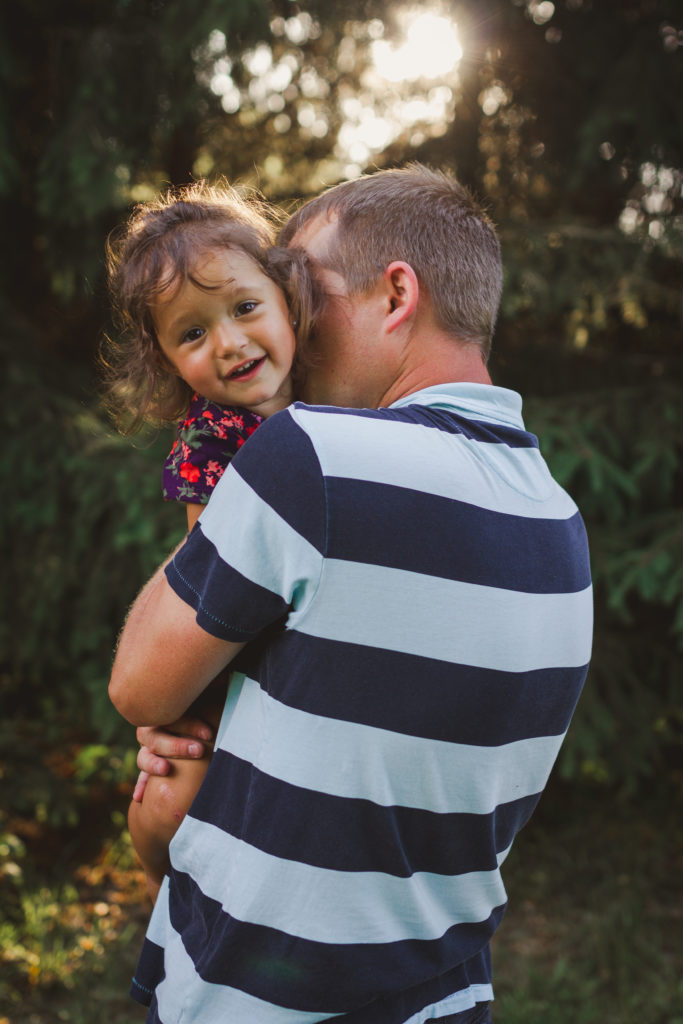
x: 193, y: 334
x: 246, y: 307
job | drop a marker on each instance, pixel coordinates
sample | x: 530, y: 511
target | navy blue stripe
x: 345, y: 834
x: 441, y: 419
x: 204, y: 581
x: 149, y: 973
x: 311, y: 976
x: 396, y: 1009
x: 153, y: 1015
x: 457, y: 540
x: 400, y: 692
x: 392, y: 1009
x: 278, y: 453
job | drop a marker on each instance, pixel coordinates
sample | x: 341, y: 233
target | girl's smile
x: 246, y: 370
x: 227, y: 332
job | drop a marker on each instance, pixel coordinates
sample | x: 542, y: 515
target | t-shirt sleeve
x: 256, y: 554
x: 206, y: 441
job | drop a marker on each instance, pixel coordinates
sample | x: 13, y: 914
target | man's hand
x: 188, y: 738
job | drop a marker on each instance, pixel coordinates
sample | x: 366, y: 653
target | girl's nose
x: 228, y: 339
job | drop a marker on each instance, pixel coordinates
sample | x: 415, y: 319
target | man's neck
x: 448, y: 363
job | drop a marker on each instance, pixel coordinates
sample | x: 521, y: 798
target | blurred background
x: 566, y: 119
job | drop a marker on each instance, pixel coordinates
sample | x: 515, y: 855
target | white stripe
x: 502, y: 856
x: 257, y: 542
x: 329, y: 906
x: 514, y: 481
x: 388, y: 768
x: 184, y: 997
x: 158, y: 922
x: 461, y: 623
x: 457, y: 1003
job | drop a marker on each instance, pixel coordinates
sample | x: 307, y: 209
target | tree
x: 95, y: 94
x: 564, y: 117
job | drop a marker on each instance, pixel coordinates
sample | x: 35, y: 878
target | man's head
x: 424, y: 218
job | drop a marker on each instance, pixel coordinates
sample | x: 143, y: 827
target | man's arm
x: 164, y: 659
x: 256, y: 555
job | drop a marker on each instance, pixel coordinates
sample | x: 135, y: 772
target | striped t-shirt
x: 418, y: 590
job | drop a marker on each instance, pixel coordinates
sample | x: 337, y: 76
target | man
x: 413, y: 590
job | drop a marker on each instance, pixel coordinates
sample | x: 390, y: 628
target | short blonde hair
x: 426, y: 218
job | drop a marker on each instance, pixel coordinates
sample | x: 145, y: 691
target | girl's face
x: 234, y: 343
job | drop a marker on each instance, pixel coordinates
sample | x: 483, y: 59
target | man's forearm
x: 164, y: 660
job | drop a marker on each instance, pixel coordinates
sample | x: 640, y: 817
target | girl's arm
x: 166, y: 799
x: 193, y: 514
x: 154, y: 820
x: 208, y: 436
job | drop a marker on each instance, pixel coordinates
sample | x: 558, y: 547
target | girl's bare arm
x: 154, y: 820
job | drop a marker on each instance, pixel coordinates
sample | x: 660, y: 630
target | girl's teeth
x: 244, y: 369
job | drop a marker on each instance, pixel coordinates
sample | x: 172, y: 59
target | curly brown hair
x: 157, y: 247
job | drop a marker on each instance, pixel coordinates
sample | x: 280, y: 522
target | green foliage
x: 620, y: 455
x: 94, y: 95
x: 591, y: 292
x: 54, y: 937
x: 82, y: 527
x: 102, y: 104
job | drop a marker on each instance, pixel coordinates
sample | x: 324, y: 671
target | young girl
x: 210, y: 313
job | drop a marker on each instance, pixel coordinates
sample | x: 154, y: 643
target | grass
x: 592, y: 934
x: 593, y: 931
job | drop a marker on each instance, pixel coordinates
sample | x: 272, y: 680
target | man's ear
x: 402, y: 292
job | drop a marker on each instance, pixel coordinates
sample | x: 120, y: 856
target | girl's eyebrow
x: 178, y: 322
x: 205, y: 286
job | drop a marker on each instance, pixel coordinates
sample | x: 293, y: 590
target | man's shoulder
x: 320, y: 413
x: 302, y: 426
x: 332, y: 428
x: 281, y: 457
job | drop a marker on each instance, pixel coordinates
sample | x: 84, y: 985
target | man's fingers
x: 157, y: 745
x: 165, y: 745
x: 196, y: 728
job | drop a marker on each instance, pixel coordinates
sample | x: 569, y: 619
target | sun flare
x: 431, y: 50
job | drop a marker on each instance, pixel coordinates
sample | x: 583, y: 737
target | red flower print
x: 214, y: 467
x: 208, y: 414
x: 189, y: 472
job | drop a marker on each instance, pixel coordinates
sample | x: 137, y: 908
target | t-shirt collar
x: 476, y: 401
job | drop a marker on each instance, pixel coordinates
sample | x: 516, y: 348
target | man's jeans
x: 479, y: 1014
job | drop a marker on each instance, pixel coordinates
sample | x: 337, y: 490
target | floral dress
x: 207, y: 439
